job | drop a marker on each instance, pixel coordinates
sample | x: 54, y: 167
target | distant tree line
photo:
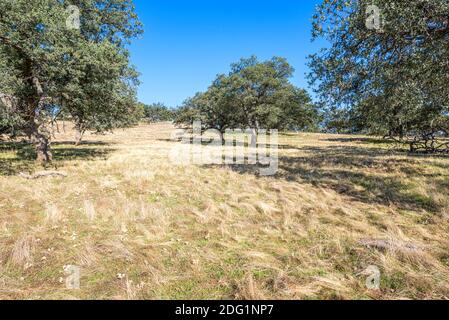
x: 157, y: 112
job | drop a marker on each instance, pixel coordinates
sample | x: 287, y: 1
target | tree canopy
x: 54, y: 61
x: 157, y: 112
x: 255, y: 95
x: 387, y: 66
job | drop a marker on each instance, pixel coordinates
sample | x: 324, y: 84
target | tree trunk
x: 222, y: 137
x: 255, y: 133
x: 40, y: 138
x: 253, y: 138
x: 79, y: 136
x: 38, y: 126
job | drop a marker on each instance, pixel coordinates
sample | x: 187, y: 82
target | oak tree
x: 67, y: 56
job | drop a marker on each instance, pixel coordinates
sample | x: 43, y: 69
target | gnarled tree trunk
x: 40, y: 137
x: 39, y: 124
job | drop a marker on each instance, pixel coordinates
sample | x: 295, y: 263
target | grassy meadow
x: 142, y: 228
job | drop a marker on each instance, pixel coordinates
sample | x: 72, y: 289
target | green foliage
x: 105, y: 96
x: 158, y: 112
x: 189, y: 111
x: 390, y: 80
x: 339, y: 121
x: 10, y: 121
x: 253, y: 95
x: 52, y: 68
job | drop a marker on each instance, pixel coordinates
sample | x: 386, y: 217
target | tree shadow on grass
x: 10, y: 167
x: 10, y: 162
x: 363, y: 174
x: 83, y: 143
x: 18, y: 157
x: 372, y: 140
x: 363, y: 187
x: 235, y: 144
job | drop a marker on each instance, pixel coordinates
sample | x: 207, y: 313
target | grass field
x: 142, y: 228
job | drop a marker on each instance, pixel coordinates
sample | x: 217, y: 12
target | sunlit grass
x: 142, y: 228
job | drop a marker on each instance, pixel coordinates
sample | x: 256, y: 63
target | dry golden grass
x: 142, y: 228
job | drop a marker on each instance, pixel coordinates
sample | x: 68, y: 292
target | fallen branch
x: 428, y: 143
x: 390, y: 245
x: 43, y: 174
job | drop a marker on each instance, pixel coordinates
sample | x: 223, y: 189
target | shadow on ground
x: 235, y: 144
x: 18, y: 157
x: 83, y: 143
x: 369, y: 175
x: 360, y: 140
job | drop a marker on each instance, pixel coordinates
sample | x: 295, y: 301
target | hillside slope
x: 139, y: 227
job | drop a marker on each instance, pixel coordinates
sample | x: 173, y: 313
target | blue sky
x: 188, y: 42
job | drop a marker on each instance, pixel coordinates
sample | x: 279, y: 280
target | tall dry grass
x: 141, y: 228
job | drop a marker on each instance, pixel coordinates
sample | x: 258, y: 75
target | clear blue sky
x: 188, y: 42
